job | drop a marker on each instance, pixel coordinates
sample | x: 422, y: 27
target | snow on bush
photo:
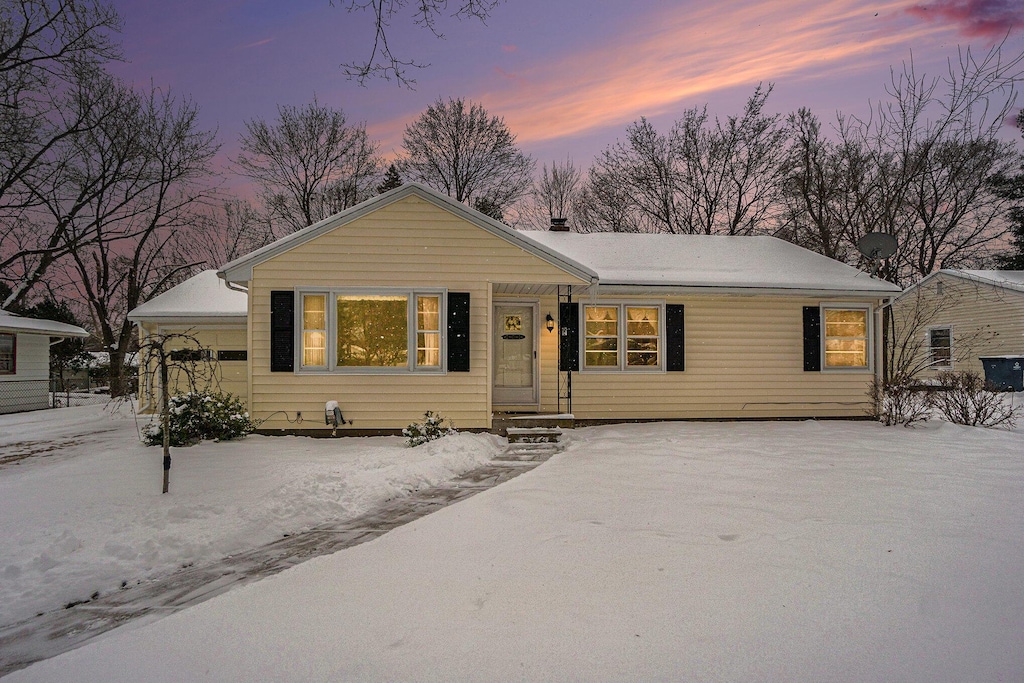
x: 196, y: 416
x: 899, y: 401
x: 433, y: 427
x: 967, y: 399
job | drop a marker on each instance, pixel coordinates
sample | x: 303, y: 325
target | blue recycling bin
x: 1004, y: 372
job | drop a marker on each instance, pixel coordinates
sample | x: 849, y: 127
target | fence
x: 18, y: 396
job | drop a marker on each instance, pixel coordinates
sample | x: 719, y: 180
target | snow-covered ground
x: 794, y: 551
x: 83, y: 512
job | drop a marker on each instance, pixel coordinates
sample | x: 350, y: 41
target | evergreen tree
x: 69, y: 354
x: 392, y: 179
x: 1012, y: 188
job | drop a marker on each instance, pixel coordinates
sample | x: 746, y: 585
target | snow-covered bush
x: 966, y: 399
x: 899, y: 401
x: 198, y: 416
x: 433, y: 427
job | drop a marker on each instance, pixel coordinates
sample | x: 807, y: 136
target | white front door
x: 515, y: 356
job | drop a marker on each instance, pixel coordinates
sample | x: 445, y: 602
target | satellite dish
x: 877, y: 245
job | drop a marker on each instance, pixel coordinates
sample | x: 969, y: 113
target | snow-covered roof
x: 9, y: 322
x: 202, y: 296
x: 697, y: 261
x: 1012, y: 280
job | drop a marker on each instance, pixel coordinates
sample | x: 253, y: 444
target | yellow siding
x: 744, y: 358
x: 410, y: 243
x: 985, y: 320
x: 227, y: 376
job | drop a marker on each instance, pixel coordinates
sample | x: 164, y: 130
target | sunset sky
x: 566, y: 75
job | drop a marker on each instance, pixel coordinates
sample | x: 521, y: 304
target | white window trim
x: 869, y: 341
x: 622, y: 367
x: 410, y: 293
x: 932, y: 364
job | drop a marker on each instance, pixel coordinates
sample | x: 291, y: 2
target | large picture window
x: 622, y: 337
x: 846, y: 338
x: 349, y: 331
x: 7, y: 353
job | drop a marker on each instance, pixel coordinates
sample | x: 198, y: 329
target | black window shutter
x: 675, y: 348
x: 812, y: 339
x: 458, y: 332
x: 282, y: 331
x: 569, y: 337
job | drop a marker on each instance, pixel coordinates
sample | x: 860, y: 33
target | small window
x: 846, y: 338
x: 428, y: 331
x: 232, y: 355
x: 940, y: 346
x: 314, y: 330
x: 190, y: 355
x: 7, y: 354
x: 605, y: 337
x: 601, y: 348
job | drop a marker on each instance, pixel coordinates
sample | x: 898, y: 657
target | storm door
x: 515, y: 354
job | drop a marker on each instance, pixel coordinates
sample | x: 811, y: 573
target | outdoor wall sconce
x: 549, y: 323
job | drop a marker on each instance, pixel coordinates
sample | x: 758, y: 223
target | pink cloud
x: 257, y: 43
x: 974, y: 18
x: 509, y: 48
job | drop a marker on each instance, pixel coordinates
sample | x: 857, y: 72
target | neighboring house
x: 411, y: 302
x: 206, y: 309
x: 951, y: 318
x: 25, y: 360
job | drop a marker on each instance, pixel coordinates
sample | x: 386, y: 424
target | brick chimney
x: 559, y: 225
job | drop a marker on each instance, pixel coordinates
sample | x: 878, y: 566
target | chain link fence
x: 18, y: 396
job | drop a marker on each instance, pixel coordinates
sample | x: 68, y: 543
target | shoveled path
x: 52, y: 633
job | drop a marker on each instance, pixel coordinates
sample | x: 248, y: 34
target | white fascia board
x: 711, y: 290
x: 189, y: 318
x: 240, y: 270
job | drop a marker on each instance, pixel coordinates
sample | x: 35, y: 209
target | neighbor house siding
x: 986, y: 320
x: 744, y: 358
x: 28, y: 387
x: 410, y: 244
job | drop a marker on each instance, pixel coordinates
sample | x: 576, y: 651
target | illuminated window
x: 940, y: 346
x: 602, y: 337
x: 7, y: 354
x: 314, y: 330
x: 605, y: 337
x: 846, y: 338
x: 373, y: 331
x: 428, y: 331
x: 382, y: 331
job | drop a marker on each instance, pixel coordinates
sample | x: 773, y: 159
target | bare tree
x: 151, y: 165
x: 309, y: 164
x: 456, y: 147
x: 704, y: 177
x: 228, y: 231
x: 51, y: 52
x: 555, y: 194
x: 383, y: 62
x: 931, y: 149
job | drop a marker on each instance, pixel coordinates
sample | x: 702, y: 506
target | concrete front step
x: 529, y: 452
x: 524, y: 435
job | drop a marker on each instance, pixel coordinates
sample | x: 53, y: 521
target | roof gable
x: 241, y: 269
x: 1007, y: 280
